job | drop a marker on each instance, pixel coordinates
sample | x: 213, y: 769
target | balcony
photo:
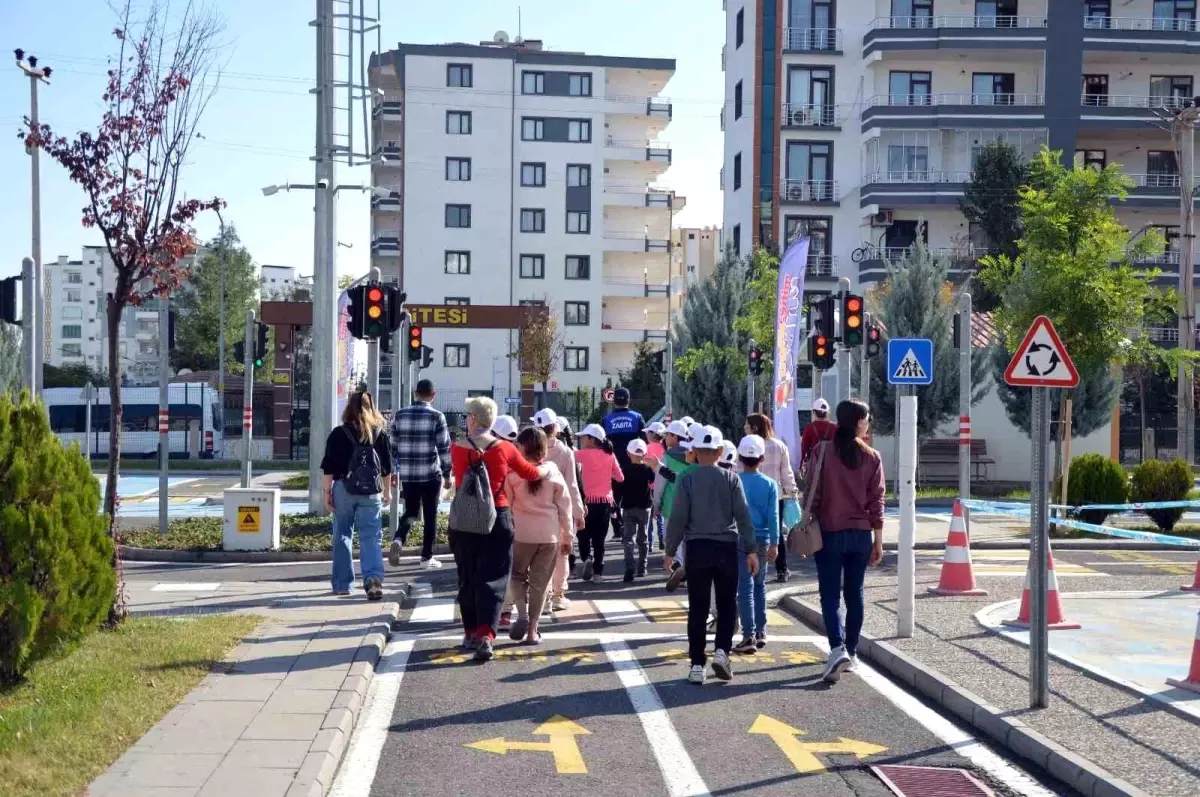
x: 803, y: 115
x: 1141, y: 34
x: 634, y: 241
x: 962, y: 261
x: 809, y: 192
x: 822, y: 267
x: 954, y: 110
x: 657, y: 152
x: 921, y: 187
x: 631, y: 284
x: 385, y: 245
x: 387, y: 154
x: 638, y: 105
x: 620, y: 331
x: 637, y: 195
x: 389, y: 204
x: 955, y: 32
x: 1132, y: 111
x: 812, y: 40
x: 388, y: 111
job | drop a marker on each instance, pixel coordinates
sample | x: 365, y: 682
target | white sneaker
x: 696, y: 675
x: 431, y: 564
x: 560, y: 604
x: 721, y: 666
x: 853, y: 665
x: 835, y: 665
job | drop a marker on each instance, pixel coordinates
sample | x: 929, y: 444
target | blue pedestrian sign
x: 910, y: 361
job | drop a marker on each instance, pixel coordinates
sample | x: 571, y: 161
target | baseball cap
x: 687, y: 420
x: 657, y: 428
x: 545, y: 417
x: 621, y: 395
x: 729, y: 452
x: 505, y: 427
x: 637, y: 447
x: 679, y: 429
x: 707, y: 438
x: 594, y: 430
x: 752, y: 447
x: 821, y: 405
x: 695, y: 430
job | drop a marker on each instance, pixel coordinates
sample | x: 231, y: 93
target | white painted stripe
x: 194, y: 586
x: 958, y: 556
x: 634, y: 636
x: 678, y: 771
x: 357, y: 772
x: 433, y: 610
x: 621, y: 612
x: 421, y: 589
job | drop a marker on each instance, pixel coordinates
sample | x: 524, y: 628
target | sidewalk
x: 276, y: 720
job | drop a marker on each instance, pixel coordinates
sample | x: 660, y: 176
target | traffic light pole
x: 248, y: 400
x: 843, y: 364
x: 164, y: 407
x: 965, y: 338
x: 399, y: 401
x: 864, y: 370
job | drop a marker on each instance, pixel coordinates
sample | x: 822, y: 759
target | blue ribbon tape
x: 1022, y: 511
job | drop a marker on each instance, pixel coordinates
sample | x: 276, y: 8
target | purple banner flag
x: 788, y: 313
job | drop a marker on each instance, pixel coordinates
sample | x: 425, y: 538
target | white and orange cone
x: 1056, y: 619
x: 1195, y: 585
x: 958, y: 577
x: 1192, y: 682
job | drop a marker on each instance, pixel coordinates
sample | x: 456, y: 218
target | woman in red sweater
x: 485, y: 560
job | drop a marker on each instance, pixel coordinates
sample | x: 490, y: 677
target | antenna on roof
x: 519, y: 39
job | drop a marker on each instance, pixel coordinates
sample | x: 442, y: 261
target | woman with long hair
x: 357, y: 483
x: 849, y: 504
x: 777, y: 465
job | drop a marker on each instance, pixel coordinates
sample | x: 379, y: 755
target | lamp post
x: 36, y: 74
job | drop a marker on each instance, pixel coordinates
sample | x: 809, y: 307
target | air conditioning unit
x: 795, y: 192
x: 882, y: 219
x: 802, y: 116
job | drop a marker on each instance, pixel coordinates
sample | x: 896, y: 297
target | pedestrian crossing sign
x: 910, y: 361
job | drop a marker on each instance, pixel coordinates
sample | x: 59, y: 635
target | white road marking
x: 619, y: 611
x: 181, y: 586
x: 433, y: 610
x: 634, y: 636
x: 358, y: 767
x: 678, y: 771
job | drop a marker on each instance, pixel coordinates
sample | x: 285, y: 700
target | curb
x: 1015, y: 736
x: 129, y: 553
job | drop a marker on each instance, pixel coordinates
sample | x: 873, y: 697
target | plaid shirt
x: 420, y: 443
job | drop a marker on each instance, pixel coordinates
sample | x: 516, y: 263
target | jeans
x: 780, y: 560
x: 658, y: 525
x: 420, y: 497
x: 841, y: 568
x: 591, y: 539
x: 711, y: 565
x: 362, y: 513
x: 635, y: 529
x: 484, y: 562
x: 752, y: 593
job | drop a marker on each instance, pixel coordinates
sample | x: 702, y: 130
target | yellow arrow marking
x: 568, y: 760
x: 803, y: 754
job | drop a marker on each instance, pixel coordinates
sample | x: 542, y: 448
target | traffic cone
x: 1195, y: 585
x: 1192, y: 682
x: 958, y: 578
x: 1055, y: 618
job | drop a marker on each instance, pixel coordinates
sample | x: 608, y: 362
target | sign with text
x: 477, y: 316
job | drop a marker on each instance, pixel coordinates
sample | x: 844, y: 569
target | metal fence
x: 578, y: 406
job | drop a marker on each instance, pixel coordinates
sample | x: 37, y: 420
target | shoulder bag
x: 805, y: 539
x: 473, y: 508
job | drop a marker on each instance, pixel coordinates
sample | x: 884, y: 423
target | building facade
x: 522, y: 175
x: 696, y: 253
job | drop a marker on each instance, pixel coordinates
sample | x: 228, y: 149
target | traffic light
x: 395, y: 299
x: 426, y: 356
x: 852, y: 320
x: 357, y: 298
x: 756, y: 361
x: 375, y: 321
x: 8, y: 300
x: 874, y: 337
x: 260, y: 345
x: 820, y: 342
x: 414, y: 343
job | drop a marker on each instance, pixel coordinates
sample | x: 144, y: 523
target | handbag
x: 473, y: 509
x: 805, y: 539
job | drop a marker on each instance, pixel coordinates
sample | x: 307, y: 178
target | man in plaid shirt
x: 421, y: 459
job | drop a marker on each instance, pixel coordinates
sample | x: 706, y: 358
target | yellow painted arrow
x: 568, y: 760
x: 803, y: 755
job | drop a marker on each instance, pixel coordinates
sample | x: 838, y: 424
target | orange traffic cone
x: 1055, y: 618
x: 1192, y: 682
x: 1195, y: 585
x: 958, y: 578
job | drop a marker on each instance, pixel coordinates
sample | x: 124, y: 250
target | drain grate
x: 931, y: 782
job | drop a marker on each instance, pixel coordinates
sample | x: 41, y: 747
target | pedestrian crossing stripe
x: 795, y: 658
x: 1013, y: 565
x: 909, y: 368
x: 614, y: 612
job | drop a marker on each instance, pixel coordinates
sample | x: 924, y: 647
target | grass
x: 76, y: 714
x: 952, y: 492
x: 303, y: 533
x: 215, y: 465
x: 297, y: 482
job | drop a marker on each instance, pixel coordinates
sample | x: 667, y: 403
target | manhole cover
x: 931, y: 782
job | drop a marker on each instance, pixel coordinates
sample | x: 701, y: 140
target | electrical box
x: 251, y: 520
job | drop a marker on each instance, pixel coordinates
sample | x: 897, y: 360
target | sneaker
x: 374, y: 589
x: 505, y: 619
x: 836, y: 664
x: 853, y: 665
x: 484, y: 651
x: 746, y: 646
x: 696, y: 674
x: 394, y: 554
x: 641, y: 571
x: 678, y: 575
x: 560, y: 603
x: 469, y: 642
x: 783, y: 576
x: 517, y: 632
x: 628, y: 577
x: 721, y: 666
x: 341, y: 593
x: 712, y: 625
x: 431, y: 564
x: 760, y: 641
x: 589, y: 569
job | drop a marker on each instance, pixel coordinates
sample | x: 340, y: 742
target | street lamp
x: 36, y: 74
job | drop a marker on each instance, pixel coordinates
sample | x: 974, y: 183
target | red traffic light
x: 375, y: 294
x: 854, y: 304
x: 822, y: 345
x: 414, y: 337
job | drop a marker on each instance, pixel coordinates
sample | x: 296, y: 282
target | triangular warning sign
x: 1041, y: 360
x: 249, y: 519
x: 909, y: 368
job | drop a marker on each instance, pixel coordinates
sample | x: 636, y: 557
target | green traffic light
x: 258, y: 363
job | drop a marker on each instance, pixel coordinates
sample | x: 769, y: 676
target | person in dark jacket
x: 622, y: 426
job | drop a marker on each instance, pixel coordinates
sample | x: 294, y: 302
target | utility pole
x: 36, y: 74
x: 843, y: 363
x: 964, y: 395
x: 399, y: 401
x: 31, y: 326
x: 164, y: 407
x: 248, y: 399
x: 668, y: 377
x: 220, y: 419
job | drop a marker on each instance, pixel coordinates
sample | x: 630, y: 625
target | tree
x: 198, y: 317
x: 540, y: 346
x: 645, y: 381
x: 992, y: 200
x: 72, y: 375
x: 916, y: 301
x: 129, y: 170
x: 757, y: 318
x: 10, y: 357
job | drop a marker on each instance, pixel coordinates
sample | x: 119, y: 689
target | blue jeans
x: 752, y: 593
x: 351, y: 512
x: 841, y: 568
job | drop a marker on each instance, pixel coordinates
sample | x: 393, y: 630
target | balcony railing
x: 809, y: 190
x: 389, y: 202
x: 389, y: 110
x: 955, y: 254
x: 385, y: 245
x: 388, y: 154
x: 957, y: 21
x: 1139, y: 23
x: 1169, y: 102
x: 1158, y: 260
x: 635, y: 326
x: 918, y: 176
x: 812, y: 39
x: 822, y: 266
x: 1159, y: 180
x: 801, y: 115
x: 1023, y: 99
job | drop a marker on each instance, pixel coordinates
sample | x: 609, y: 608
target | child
x: 728, y: 455
x: 655, y: 450
x: 505, y: 427
x: 600, y: 469
x: 675, y: 463
x: 710, y: 514
x: 559, y: 452
x: 762, y: 496
x: 541, y: 527
x: 636, y: 495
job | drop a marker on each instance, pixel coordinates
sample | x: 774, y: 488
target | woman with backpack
x: 358, y: 482
x: 483, y: 551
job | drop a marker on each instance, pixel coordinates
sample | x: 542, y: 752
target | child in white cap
x: 600, y: 469
x: 506, y: 428
x: 677, y: 461
x: 762, y: 496
x: 639, y: 481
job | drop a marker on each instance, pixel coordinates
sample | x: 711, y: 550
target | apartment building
x: 696, y: 253
x: 858, y: 122
x: 521, y: 175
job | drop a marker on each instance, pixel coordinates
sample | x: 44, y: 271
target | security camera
x: 323, y: 185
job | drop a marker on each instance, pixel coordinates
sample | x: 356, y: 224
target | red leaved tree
x: 129, y: 170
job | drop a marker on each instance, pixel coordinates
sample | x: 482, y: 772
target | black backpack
x: 364, y: 476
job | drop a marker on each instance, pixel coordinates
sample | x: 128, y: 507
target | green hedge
x: 1153, y: 480
x: 1095, y: 479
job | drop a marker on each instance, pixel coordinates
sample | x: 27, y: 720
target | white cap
x: 696, y: 430
x: 505, y: 427
x: 687, y: 420
x: 707, y: 438
x: 545, y: 417
x: 637, y: 447
x: 679, y: 429
x: 594, y: 430
x: 656, y: 428
x: 821, y: 405
x: 729, y: 452
x: 752, y: 447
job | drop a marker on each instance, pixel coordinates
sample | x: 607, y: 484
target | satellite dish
x: 500, y: 37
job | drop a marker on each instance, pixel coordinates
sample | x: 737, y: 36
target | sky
x: 259, y: 128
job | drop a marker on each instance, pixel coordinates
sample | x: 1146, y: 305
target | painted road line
x: 357, y: 771
x: 193, y: 586
x: 678, y: 770
x: 632, y: 636
x: 433, y: 610
x: 1165, y: 568
x: 664, y: 610
x: 619, y: 612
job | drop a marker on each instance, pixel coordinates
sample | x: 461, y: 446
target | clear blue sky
x: 259, y: 128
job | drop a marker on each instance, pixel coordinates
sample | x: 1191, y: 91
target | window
x: 533, y: 220
x: 910, y: 88
x: 1162, y: 169
x: 458, y: 76
x: 1095, y: 90
x: 71, y: 313
x: 809, y: 170
x: 579, y: 221
x: 737, y: 171
x: 1174, y: 14
x: 72, y: 350
x: 72, y: 295
x: 903, y: 233
x: 72, y: 331
x: 533, y: 175
x: 810, y: 96
x: 458, y: 262
x: 579, y: 267
x: 74, y: 278
x: 457, y: 301
x: 1169, y: 91
x: 737, y: 239
x: 912, y: 13
x: 575, y: 314
x: 993, y: 88
x: 533, y: 129
x: 579, y: 84
x: 579, y: 130
x: 458, y: 123
x: 457, y: 355
x: 1096, y: 13
x: 575, y: 358
x: 995, y: 13
x: 458, y: 169
x: 1095, y: 158
x: 578, y: 176
x: 533, y: 82
x: 907, y: 163
x: 818, y: 230
x: 458, y: 215
x: 737, y: 100
x: 739, y: 28
x: 533, y: 267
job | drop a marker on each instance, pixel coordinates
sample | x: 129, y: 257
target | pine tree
x: 1091, y: 408
x: 198, y: 317
x: 10, y: 357
x: 645, y: 381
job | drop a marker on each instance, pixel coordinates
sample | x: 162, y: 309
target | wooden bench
x: 937, y: 462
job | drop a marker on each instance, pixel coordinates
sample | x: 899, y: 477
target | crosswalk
x: 611, y: 611
x: 1002, y: 564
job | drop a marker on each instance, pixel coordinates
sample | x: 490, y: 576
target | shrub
x: 56, y: 577
x: 1095, y: 479
x: 1162, y: 481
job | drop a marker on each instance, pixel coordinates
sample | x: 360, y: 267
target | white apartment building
x: 523, y: 175
x: 697, y: 250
